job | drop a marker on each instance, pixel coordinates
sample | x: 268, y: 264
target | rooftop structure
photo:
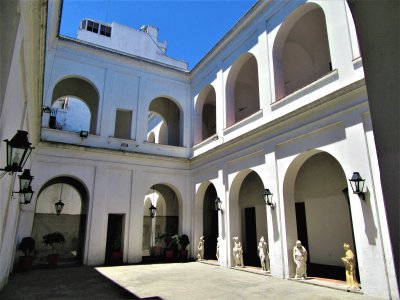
x: 141, y: 43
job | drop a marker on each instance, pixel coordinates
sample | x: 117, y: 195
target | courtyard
x: 191, y: 280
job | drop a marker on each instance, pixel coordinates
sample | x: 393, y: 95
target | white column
x: 367, y: 231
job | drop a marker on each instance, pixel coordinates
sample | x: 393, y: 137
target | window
x: 105, y: 30
x: 92, y: 26
x: 123, y: 121
x: 96, y: 27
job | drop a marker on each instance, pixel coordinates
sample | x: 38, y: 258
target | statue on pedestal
x: 263, y: 254
x: 200, y: 248
x: 350, y: 264
x: 217, y: 253
x: 237, y: 252
x: 300, y: 258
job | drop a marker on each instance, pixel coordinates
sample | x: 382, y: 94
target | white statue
x: 263, y: 254
x: 217, y: 253
x: 200, y: 248
x: 237, y: 252
x: 300, y: 258
x: 350, y: 264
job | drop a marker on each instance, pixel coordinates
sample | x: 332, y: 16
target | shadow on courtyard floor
x: 64, y: 283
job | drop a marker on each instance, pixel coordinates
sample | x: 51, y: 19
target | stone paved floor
x: 160, y: 281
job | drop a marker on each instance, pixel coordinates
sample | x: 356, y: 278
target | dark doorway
x: 250, y: 257
x: 301, y: 222
x: 302, y: 235
x: 114, y: 244
x: 317, y: 270
x: 210, y: 223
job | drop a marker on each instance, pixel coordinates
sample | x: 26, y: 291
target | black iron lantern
x: 25, y: 189
x: 18, y: 151
x: 152, y: 209
x: 59, y: 205
x: 27, y: 195
x: 267, y: 195
x: 217, y: 204
x: 357, y: 185
x: 25, y: 180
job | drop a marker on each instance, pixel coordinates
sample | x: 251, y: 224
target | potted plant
x: 184, y: 242
x: 27, y: 245
x: 52, y: 239
x: 171, y: 243
x: 157, y: 249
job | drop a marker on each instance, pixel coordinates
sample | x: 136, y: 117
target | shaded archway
x: 318, y: 213
x: 83, y: 90
x: 301, y: 50
x: 170, y: 112
x: 205, y: 114
x: 157, y: 129
x: 71, y: 222
x: 248, y: 213
x: 70, y: 114
x: 165, y: 222
x: 242, y: 90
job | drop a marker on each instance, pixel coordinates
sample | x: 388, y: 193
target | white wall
x: 329, y: 116
x: 20, y: 95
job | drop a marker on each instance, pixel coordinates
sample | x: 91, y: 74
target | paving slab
x: 173, y: 281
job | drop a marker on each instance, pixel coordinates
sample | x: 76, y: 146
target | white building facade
x: 280, y: 103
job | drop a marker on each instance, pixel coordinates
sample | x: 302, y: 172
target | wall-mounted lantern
x: 25, y: 179
x: 18, y: 151
x: 267, y: 196
x: 25, y: 188
x: 357, y: 185
x: 217, y: 204
x: 27, y: 195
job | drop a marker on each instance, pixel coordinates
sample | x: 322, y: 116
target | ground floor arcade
x: 107, y: 198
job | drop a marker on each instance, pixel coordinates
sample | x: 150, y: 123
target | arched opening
x: 322, y: 213
x: 166, y: 114
x: 151, y: 137
x: 253, y: 217
x: 70, y: 114
x: 71, y: 222
x: 248, y: 214
x: 301, y: 50
x: 210, y: 223
x: 165, y: 222
x: 81, y: 90
x: 205, y: 114
x: 157, y: 129
x: 242, y: 91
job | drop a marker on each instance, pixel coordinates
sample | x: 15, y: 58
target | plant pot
x: 25, y: 263
x: 169, y: 254
x: 156, y: 251
x: 116, y: 257
x: 52, y: 260
x: 183, y: 254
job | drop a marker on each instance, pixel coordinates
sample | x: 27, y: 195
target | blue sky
x: 191, y: 28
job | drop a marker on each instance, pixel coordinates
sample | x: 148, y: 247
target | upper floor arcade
x: 271, y: 65
x: 265, y: 68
